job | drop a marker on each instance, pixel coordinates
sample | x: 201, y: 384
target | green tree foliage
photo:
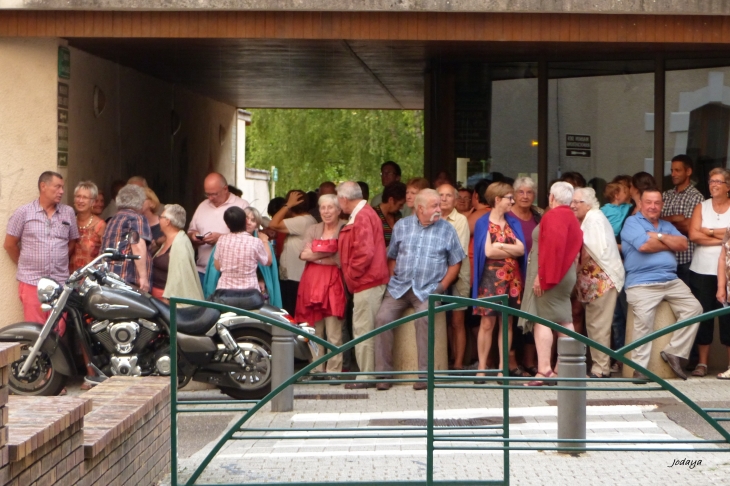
x: 312, y: 146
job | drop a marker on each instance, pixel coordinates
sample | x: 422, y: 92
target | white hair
x: 562, y: 192
x: 524, y: 181
x: 328, y: 198
x: 588, y: 194
x: 131, y: 197
x: 425, y: 195
x: 349, y: 190
x: 175, y: 214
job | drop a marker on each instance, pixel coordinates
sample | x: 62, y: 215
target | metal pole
x: 571, y: 403
x: 282, y: 367
x: 542, y: 133
x: 659, y: 116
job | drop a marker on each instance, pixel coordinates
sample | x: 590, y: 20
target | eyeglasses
x: 77, y: 196
x: 213, y: 194
x: 714, y: 182
x: 576, y: 202
x: 511, y: 198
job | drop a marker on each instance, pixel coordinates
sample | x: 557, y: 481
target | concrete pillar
x: 28, y: 137
x: 282, y: 367
x: 571, y: 403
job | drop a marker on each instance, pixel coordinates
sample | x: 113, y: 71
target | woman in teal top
x: 270, y: 274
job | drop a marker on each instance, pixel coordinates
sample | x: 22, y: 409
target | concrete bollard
x: 571, y: 403
x: 282, y: 367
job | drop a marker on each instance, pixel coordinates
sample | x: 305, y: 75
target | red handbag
x: 324, y: 246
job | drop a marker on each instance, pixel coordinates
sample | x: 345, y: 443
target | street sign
x: 64, y: 62
x: 578, y: 145
x: 275, y: 175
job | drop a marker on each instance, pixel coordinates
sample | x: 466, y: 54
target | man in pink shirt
x: 207, y: 224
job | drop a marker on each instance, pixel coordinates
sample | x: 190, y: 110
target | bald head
x: 216, y: 188
x: 447, y: 193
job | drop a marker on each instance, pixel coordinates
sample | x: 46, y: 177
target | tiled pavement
x: 626, y: 415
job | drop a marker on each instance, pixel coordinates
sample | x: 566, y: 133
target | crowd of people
x: 348, y: 264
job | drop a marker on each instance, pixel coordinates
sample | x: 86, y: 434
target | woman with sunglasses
x: 707, y: 271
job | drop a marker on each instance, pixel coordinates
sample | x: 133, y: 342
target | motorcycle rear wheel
x: 263, y: 340
x: 42, y: 379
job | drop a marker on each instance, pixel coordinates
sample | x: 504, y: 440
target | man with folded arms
x: 649, y: 245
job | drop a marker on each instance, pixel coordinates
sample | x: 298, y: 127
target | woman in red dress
x: 321, y: 296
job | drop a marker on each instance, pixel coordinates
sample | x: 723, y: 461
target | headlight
x: 48, y: 290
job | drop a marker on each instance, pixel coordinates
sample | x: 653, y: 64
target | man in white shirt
x: 207, y: 224
x: 460, y: 288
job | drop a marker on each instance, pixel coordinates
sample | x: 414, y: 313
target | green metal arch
x: 497, y: 303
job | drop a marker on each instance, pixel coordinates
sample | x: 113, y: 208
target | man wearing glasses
x: 207, y: 224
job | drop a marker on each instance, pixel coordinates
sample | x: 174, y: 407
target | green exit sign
x: 64, y: 62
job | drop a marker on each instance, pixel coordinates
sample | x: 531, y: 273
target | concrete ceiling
x: 364, y: 74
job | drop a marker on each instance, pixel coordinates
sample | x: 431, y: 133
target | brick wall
x: 138, y: 453
x: 116, y: 434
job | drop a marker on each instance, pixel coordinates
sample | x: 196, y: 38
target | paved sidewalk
x: 382, y: 456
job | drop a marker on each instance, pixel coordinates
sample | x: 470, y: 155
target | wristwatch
x: 659, y: 236
x: 712, y: 232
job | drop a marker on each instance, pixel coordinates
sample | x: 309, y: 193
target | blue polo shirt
x: 646, y: 268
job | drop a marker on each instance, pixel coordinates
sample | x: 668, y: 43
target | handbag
x: 324, y: 246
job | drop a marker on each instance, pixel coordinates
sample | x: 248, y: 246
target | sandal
x: 700, y: 370
x: 532, y: 370
x: 725, y: 375
x: 551, y: 374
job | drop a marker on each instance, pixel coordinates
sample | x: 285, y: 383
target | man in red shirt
x: 364, y: 266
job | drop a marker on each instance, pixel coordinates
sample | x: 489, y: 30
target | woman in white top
x: 707, y: 230
x: 293, y: 219
x: 600, y: 276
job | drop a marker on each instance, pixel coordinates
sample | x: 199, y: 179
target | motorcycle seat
x: 246, y: 299
x: 195, y: 321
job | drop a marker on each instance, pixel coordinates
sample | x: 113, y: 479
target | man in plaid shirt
x: 424, y: 257
x: 678, y: 206
x: 40, y: 237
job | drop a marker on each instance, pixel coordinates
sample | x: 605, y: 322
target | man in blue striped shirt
x: 424, y: 257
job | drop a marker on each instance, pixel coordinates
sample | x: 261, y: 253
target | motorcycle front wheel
x: 41, y: 380
x: 255, y: 380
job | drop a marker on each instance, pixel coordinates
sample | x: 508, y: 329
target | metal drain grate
x: 606, y: 402
x: 444, y: 422
x: 332, y: 396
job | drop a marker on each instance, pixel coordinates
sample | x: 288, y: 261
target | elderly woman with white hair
x: 321, y: 298
x: 175, y: 274
x: 551, y: 275
x: 600, y: 275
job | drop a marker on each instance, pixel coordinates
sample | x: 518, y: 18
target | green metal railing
x: 443, y: 379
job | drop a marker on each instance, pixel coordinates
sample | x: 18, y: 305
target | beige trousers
x: 365, y: 307
x: 599, y: 316
x: 331, y: 327
x: 645, y: 299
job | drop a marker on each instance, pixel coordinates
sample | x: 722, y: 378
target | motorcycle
x: 126, y: 332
